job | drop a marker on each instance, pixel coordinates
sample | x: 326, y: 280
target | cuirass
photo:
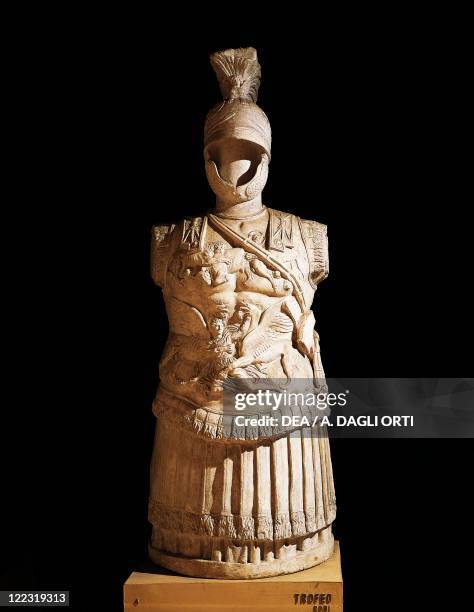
x: 236, y: 296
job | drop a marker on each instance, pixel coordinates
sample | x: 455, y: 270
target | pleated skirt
x: 226, y: 500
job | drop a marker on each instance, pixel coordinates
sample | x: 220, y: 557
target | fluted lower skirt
x: 232, y: 509
x: 252, y: 559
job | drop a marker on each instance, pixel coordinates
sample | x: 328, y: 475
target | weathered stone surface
x: 238, y: 284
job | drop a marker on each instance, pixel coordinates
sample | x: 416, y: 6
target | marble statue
x: 238, y: 283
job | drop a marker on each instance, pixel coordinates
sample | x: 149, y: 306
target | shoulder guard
x: 280, y: 230
x: 160, y: 251
x: 193, y: 233
x: 187, y: 235
x: 315, y: 239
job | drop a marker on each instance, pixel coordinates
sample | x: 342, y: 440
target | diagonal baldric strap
x: 263, y: 254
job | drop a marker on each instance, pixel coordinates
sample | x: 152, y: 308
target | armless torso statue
x: 238, y: 284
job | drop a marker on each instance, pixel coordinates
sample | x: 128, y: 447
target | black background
x: 368, y: 129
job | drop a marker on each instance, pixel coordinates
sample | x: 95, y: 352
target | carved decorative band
x: 283, y: 526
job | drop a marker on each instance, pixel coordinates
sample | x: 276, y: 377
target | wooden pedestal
x: 318, y: 589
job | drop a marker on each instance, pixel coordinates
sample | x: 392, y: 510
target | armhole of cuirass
x: 314, y: 236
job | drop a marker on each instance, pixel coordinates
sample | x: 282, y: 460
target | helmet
x: 237, y: 116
